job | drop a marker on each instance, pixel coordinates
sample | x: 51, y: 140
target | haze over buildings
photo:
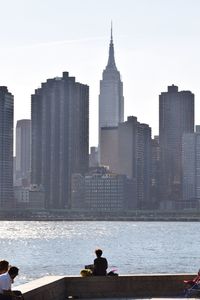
x: 151, y: 52
x: 150, y: 170
x: 154, y: 169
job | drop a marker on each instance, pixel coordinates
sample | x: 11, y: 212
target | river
x: 59, y: 248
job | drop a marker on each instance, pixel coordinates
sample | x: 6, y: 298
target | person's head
x: 13, y: 272
x: 4, y: 265
x: 98, y: 252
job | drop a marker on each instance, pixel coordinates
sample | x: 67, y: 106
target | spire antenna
x: 111, y: 58
x: 111, y: 31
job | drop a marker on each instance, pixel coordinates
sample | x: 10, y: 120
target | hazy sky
x: 157, y: 43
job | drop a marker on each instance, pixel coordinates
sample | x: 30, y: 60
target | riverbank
x: 69, y: 215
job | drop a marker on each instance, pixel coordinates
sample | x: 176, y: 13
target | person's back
x: 100, y: 264
x: 5, y: 283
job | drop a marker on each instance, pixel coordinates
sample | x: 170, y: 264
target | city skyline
x: 154, y: 48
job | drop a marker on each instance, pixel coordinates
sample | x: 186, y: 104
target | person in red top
x: 190, y: 283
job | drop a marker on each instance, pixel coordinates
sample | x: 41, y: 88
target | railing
x: 136, y: 286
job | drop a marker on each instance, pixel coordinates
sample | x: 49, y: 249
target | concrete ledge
x: 49, y: 287
x: 124, y: 286
x: 136, y: 286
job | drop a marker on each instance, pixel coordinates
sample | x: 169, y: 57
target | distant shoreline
x: 100, y: 220
x: 133, y: 216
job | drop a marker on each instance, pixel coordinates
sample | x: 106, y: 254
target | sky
x: 157, y: 43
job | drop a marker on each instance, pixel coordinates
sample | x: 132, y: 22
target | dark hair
x: 4, y: 264
x: 98, y: 252
x: 13, y: 271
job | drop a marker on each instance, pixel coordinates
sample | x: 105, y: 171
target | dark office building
x: 93, y: 157
x: 176, y: 117
x: 144, y: 166
x: 155, y: 176
x: 60, y: 121
x: 191, y: 170
x: 6, y: 148
x: 134, y: 140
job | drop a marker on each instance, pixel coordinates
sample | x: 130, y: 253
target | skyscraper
x: 176, y: 117
x: 191, y: 167
x: 134, y: 140
x: 6, y: 147
x: 23, y: 149
x: 155, y: 177
x: 111, y: 100
x: 127, y: 150
x: 60, y: 120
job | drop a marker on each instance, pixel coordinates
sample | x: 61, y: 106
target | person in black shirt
x: 100, y: 264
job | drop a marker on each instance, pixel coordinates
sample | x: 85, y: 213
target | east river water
x: 59, y: 248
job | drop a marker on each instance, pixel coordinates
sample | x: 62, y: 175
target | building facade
x: 134, y: 141
x: 111, y: 100
x: 110, y: 148
x: 191, y: 168
x: 6, y: 148
x: 32, y: 197
x: 93, y: 157
x: 155, y: 175
x: 144, y: 170
x: 23, y: 151
x: 101, y: 191
x: 60, y: 134
x: 126, y: 150
x: 176, y: 117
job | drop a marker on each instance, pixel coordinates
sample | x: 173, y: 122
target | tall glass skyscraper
x: 6, y: 148
x: 176, y: 117
x: 191, y: 166
x: 60, y: 120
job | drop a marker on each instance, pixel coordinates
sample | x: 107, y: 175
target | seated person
x: 4, y: 265
x: 6, y: 281
x: 100, y: 264
x: 195, y: 281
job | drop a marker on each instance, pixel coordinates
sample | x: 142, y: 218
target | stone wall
x: 49, y: 287
x: 136, y: 286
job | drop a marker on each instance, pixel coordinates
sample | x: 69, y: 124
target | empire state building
x: 111, y: 100
x: 111, y: 108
